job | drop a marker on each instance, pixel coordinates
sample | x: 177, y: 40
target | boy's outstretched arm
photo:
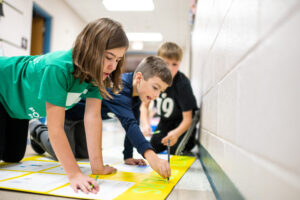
x: 184, y: 125
x: 61, y: 146
x: 144, y: 117
x: 93, y: 129
x: 135, y: 137
x: 159, y: 165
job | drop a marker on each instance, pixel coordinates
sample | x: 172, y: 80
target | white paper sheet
x: 30, y: 166
x: 85, y: 168
x: 109, y: 189
x: 36, y: 182
x: 10, y: 174
x: 163, y: 156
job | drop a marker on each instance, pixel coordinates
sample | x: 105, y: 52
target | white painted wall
x: 185, y: 62
x: 247, y: 55
x: 15, y: 25
x: 66, y: 25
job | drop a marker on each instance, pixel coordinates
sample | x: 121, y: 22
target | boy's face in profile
x: 173, y: 65
x: 150, y: 89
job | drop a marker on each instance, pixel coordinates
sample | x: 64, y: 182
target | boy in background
x: 175, y: 106
x: 150, y: 78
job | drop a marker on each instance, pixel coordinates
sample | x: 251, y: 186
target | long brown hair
x: 88, y: 54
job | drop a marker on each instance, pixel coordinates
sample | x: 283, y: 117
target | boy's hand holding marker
x: 147, y: 131
x: 172, y: 136
x: 161, y: 162
x: 161, y: 166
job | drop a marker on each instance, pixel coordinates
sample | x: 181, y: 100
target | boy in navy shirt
x: 151, y: 77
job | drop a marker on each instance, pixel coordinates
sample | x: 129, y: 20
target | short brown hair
x: 154, y: 66
x: 88, y: 54
x: 170, y: 50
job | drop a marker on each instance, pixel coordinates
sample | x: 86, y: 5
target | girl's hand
x: 132, y: 161
x: 85, y: 183
x: 172, y: 136
x: 105, y: 170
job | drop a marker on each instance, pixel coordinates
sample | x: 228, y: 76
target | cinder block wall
x: 246, y: 74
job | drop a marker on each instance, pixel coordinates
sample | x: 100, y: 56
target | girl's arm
x: 62, y: 149
x: 93, y: 129
x: 177, y: 132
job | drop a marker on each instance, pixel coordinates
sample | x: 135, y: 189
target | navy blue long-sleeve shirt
x: 126, y: 108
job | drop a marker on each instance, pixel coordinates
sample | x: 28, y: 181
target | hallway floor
x: 193, y: 185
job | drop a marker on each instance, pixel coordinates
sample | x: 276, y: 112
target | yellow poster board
x: 38, y: 174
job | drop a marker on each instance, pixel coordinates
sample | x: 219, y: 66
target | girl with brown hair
x: 46, y: 85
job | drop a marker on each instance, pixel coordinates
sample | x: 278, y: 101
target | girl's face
x: 111, y: 60
x: 173, y: 65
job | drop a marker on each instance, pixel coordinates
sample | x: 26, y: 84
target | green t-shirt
x: 28, y: 82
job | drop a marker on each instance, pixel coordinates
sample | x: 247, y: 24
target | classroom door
x: 41, y: 31
x: 37, y: 37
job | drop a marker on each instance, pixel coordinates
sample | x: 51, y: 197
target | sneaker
x: 34, y: 140
x: 33, y: 125
x: 36, y: 147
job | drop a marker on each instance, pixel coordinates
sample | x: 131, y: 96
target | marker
x: 168, y: 154
x: 92, y: 186
x: 156, y: 132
